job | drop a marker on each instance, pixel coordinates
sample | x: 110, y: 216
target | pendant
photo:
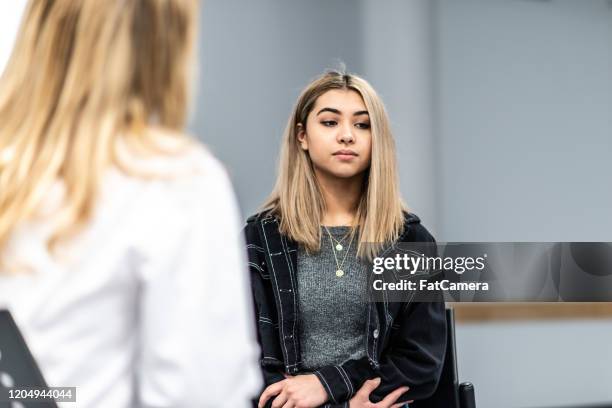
x: 339, y: 273
x: 339, y: 247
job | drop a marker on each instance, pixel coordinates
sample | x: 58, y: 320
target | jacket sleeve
x: 415, y: 361
x: 413, y: 357
x: 270, y: 361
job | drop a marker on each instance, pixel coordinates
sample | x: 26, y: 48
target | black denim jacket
x: 405, y: 342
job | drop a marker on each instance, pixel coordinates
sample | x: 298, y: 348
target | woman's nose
x: 346, y: 134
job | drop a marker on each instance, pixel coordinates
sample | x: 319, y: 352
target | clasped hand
x: 306, y: 391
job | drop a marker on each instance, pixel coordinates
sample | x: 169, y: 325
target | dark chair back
x: 17, y: 366
x: 449, y: 393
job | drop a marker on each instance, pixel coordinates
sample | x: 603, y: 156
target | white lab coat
x: 149, y: 306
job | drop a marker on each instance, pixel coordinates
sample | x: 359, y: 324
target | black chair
x: 17, y: 365
x: 449, y: 394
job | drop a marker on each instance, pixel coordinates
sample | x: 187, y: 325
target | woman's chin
x: 343, y: 174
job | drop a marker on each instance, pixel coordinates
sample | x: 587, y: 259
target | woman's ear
x: 301, y: 136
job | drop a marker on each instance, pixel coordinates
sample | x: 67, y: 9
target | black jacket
x: 406, y: 342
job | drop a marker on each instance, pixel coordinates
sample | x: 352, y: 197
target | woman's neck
x: 341, y: 197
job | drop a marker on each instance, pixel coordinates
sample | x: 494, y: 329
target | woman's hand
x: 301, y: 391
x: 361, y: 399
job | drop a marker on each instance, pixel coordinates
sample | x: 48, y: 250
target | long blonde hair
x: 297, y: 198
x: 83, y: 76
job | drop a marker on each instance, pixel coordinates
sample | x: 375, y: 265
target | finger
x: 280, y: 400
x: 289, y: 404
x: 390, y: 399
x: 270, y: 391
x: 369, y: 386
x: 401, y: 404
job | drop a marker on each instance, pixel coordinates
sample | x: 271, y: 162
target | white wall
x: 10, y: 16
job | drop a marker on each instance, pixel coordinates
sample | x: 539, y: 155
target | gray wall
x: 255, y: 57
x: 524, y: 106
x: 537, y: 363
x: 398, y: 59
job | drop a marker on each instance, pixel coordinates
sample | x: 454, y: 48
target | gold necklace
x: 338, y: 243
x: 339, y: 270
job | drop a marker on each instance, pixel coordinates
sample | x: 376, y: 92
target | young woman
x: 113, y: 257
x: 335, y: 205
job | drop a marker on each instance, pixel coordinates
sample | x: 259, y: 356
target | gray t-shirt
x: 333, y: 309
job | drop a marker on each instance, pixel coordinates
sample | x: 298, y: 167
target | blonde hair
x: 297, y: 199
x: 83, y: 76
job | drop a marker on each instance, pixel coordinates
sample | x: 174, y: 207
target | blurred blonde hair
x: 83, y: 76
x: 297, y: 198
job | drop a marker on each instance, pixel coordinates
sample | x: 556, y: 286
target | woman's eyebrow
x: 334, y: 110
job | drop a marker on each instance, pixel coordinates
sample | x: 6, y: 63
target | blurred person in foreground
x: 120, y: 253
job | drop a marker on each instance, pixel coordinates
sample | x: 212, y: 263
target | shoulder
x: 173, y: 163
x: 185, y: 201
x: 251, y: 227
x: 175, y: 189
x: 253, y: 238
x: 166, y: 154
x: 260, y: 216
x: 414, y: 230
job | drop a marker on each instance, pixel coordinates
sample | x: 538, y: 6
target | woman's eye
x: 362, y: 125
x: 329, y: 123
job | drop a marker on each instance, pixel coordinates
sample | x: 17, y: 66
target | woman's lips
x: 345, y: 155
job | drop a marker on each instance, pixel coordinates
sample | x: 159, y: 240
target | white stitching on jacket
x: 282, y: 322
x: 348, y: 387
x: 326, y: 385
x: 256, y: 247
x: 291, y: 275
x: 352, y: 390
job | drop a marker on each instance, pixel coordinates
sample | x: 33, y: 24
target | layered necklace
x: 338, y: 243
x: 337, y: 248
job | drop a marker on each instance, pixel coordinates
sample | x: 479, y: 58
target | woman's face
x: 337, y: 135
